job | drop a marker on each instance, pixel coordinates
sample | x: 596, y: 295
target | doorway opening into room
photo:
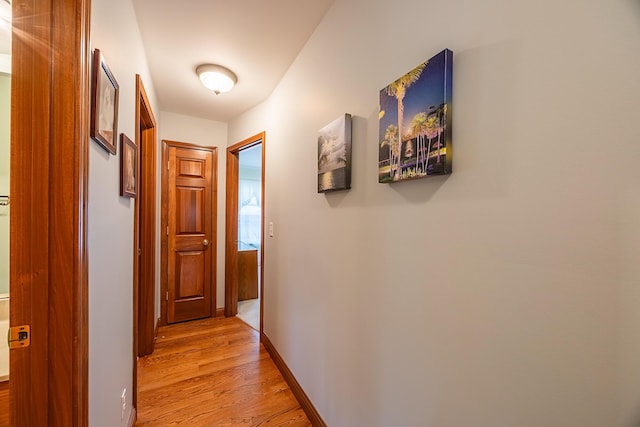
x: 249, y: 234
x: 144, y: 260
x: 244, y: 286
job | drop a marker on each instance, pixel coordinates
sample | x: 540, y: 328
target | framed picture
x: 334, y: 155
x: 414, y: 139
x: 104, y: 104
x: 128, y: 167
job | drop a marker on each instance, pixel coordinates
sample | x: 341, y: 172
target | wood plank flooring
x: 4, y: 403
x: 213, y: 372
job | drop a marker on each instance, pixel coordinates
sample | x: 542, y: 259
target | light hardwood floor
x: 213, y: 372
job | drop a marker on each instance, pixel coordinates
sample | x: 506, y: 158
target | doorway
x: 244, y: 284
x: 144, y: 243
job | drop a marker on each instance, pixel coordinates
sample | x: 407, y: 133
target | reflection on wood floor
x: 213, y: 372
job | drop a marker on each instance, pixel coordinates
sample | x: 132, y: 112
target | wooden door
x: 247, y: 275
x: 190, y: 238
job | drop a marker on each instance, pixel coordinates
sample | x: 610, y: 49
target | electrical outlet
x: 123, y: 401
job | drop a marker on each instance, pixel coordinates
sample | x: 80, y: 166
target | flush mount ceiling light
x: 216, y: 78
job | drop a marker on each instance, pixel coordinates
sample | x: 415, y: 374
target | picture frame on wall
x: 414, y: 139
x: 104, y: 104
x: 128, y: 167
x: 334, y: 155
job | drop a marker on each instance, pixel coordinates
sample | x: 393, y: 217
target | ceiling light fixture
x: 216, y: 78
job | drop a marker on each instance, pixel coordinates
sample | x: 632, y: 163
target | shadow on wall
x: 419, y: 190
x: 358, y: 170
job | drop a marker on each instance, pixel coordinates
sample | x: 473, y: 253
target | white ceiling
x: 256, y: 39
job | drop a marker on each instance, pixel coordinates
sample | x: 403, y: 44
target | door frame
x: 164, y: 254
x: 231, y: 226
x: 144, y: 234
x: 48, y: 235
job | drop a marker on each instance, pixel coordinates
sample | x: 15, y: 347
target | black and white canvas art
x: 334, y: 155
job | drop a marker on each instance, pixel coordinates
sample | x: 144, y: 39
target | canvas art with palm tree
x: 415, y: 122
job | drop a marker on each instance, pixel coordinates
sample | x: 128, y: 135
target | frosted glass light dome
x: 216, y: 78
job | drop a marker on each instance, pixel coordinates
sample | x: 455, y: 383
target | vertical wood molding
x: 68, y: 286
x: 231, y: 239
x: 214, y: 230
x: 49, y: 171
x: 144, y: 271
x: 296, y: 388
x: 263, y: 136
x: 144, y: 234
x: 29, y: 219
x: 164, y: 222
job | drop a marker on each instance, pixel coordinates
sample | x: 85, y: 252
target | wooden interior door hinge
x: 19, y: 337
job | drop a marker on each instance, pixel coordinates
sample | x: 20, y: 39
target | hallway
x: 213, y: 372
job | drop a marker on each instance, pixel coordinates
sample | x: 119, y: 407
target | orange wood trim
x: 231, y: 239
x: 164, y: 222
x: 49, y: 171
x: 231, y: 226
x: 296, y: 388
x: 247, y: 143
x: 147, y: 232
x: 144, y: 326
x: 136, y: 259
x: 214, y: 230
x: 263, y: 136
x: 29, y: 215
x: 78, y: 263
x: 4, y: 403
x: 188, y: 145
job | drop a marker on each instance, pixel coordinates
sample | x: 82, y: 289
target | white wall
x: 114, y: 31
x: 507, y: 294
x: 177, y: 127
x: 5, y: 134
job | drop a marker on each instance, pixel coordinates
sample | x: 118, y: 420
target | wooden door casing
x: 144, y: 259
x: 231, y: 226
x: 190, y: 229
x: 48, y: 235
x: 231, y: 239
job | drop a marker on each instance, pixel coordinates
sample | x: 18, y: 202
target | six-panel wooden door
x: 190, y: 237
